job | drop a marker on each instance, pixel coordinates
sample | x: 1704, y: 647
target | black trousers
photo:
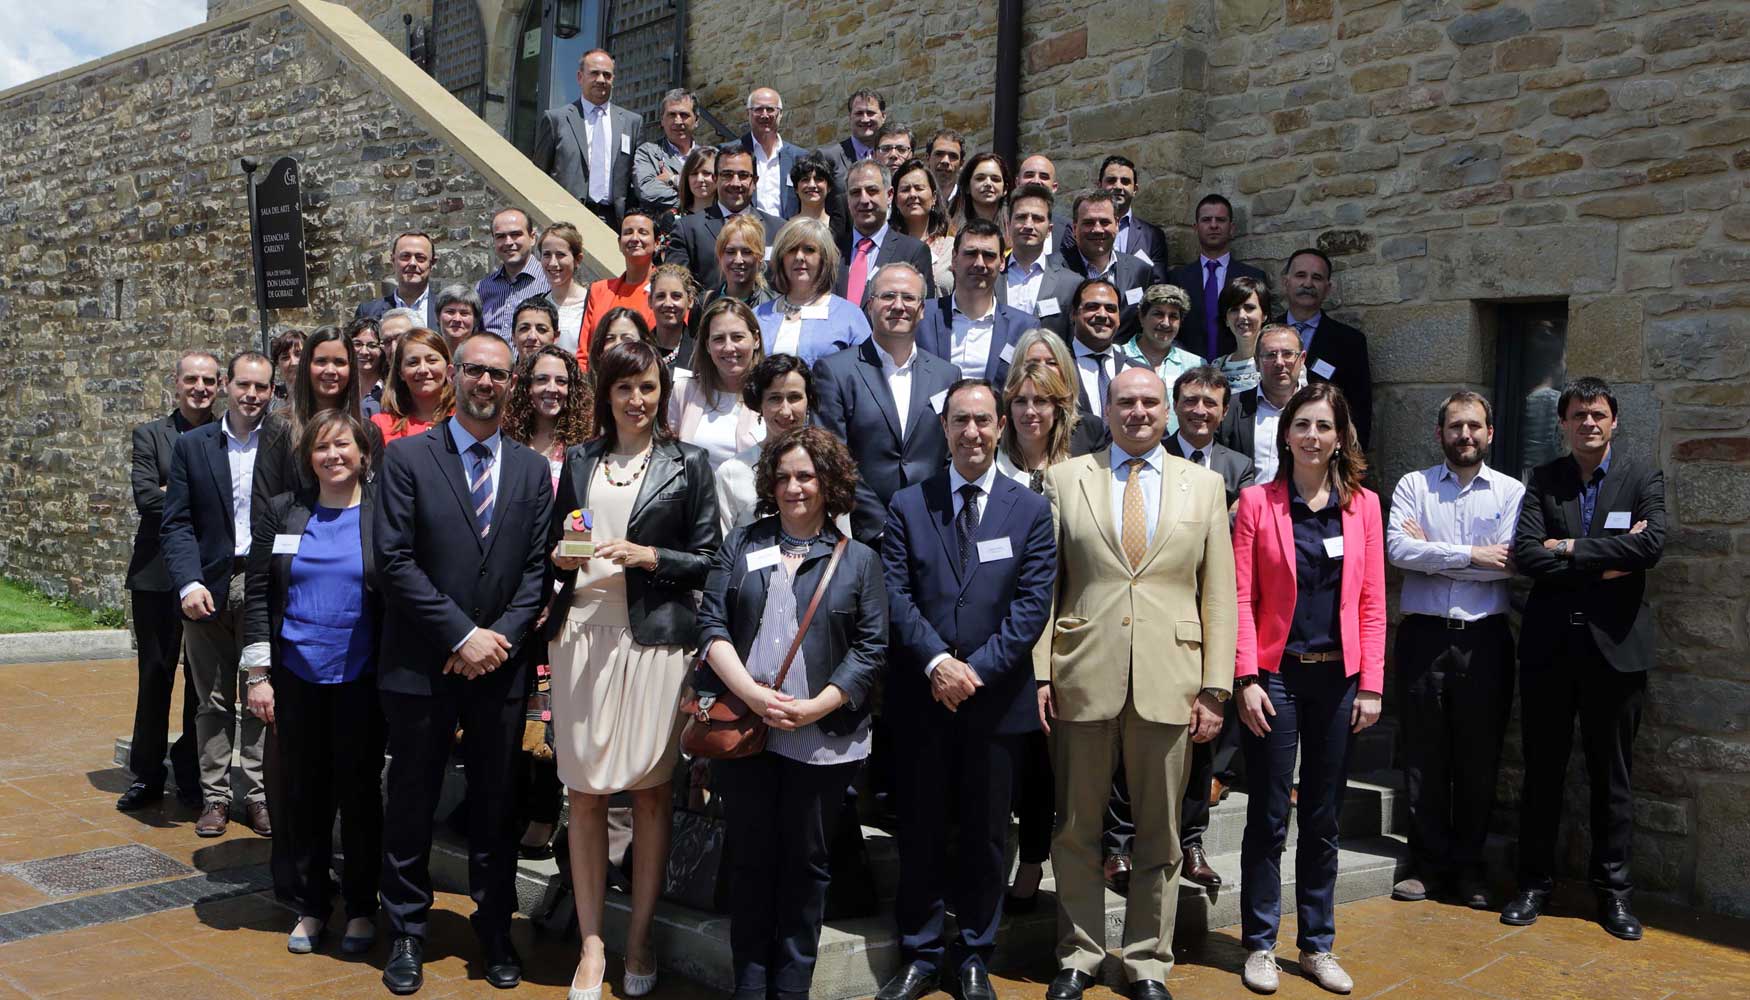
x: 1119, y: 829
x: 158, y: 630
x: 1577, y: 682
x: 780, y: 814
x: 945, y: 770
x: 422, y: 730
x: 325, y: 754
x: 1208, y: 761
x: 1458, y: 692
x: 1035, y: 798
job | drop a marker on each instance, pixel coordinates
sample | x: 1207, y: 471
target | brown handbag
x: 720, y: 727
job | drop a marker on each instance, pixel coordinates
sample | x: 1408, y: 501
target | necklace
x: 790, y: 545
x: 608, y: 472
x: 668, y: 356
x: 790, y: 309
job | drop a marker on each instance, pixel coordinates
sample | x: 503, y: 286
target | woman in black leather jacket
x: 777, y: 802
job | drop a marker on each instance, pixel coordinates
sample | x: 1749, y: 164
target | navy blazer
x: 895, y: 247
x: 988, y: 615
x: 1190, y: 277
x: 844, y: 644
x: 199, y: 540
x: 1150, y: 239
x: 853, y: 401
x: 153, y: 444
x: 935, y: 334
x: 270, y: 573
x: 375, y: 308
x: 788, y: 202
x: 440, y: 579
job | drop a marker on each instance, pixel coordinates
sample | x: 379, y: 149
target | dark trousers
x: 1208, y: 761
x: 944, y: 770
x: 778, y: 812
x: 1035, y: 798
x: 325, y: 754
x: 422, y: 729
x: 1118, y: 831
x: 1578, y: 682
x: 1458, y: 692
x: 158, y: 631
x: 537, y: 789
x: 1312, y: 702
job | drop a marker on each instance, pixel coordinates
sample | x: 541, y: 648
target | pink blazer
x: 1264, y: 565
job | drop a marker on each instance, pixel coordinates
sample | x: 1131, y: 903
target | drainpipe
x: 1006, y: 102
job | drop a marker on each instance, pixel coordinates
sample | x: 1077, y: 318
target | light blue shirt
x: 464, y: 441
x: 843, y: 326
x: 1154, y: 462
x: 1307, y: 328
x: 1439, y: 579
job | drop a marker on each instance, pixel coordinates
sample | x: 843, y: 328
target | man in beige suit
x: 1137, y: 661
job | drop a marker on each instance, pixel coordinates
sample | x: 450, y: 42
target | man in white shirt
x: 412, y: 255
x: 1029, y: 239
x: 773, y: 192
x: 1451, y: 532
x: 1250, y: 425
x: 970, y: 327
x: 1038, y: 169
x: 1094, y: 311
x: 598, y: 169
x: 1137, y: 237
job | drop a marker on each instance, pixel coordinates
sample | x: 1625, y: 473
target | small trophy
x: 577, y: 543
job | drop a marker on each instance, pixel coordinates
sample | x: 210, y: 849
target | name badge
x: 1334, y: 547
x: 1323, y: 369
x: 1133, y: 296
x: 938, y: 400
x: 626, y: 143
x: 761, y: 558
x: 789, y: 182
x: 995, y: 550
x: 1617, y: 521
x: 1008, y: 354
x: 287, y: 545
x: 1048, y: 307
x: 768, y: 255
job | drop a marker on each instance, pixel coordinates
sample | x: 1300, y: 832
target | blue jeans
x: 1312, y: 702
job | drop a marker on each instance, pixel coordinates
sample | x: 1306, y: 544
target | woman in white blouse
x: 807, y: 319
x: 707, y: 409
x: 561, y: 249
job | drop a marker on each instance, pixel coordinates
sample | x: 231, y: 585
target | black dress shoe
x: 138, y: 796
x: 1523, y: 909
x: 1149, y: 989
x: 1069, y: 985
x: 1021, y: 905
x: 504, y: 967
x: 405, y: 972
x: 909, y: 983
x: 975, y: 984
x: 1614, y: 916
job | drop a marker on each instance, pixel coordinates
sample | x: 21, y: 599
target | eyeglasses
x: 1283, y: 356
x: 480, y: 372
x: 906, y: 297
x: 366, y: 345
x: 890, y: 148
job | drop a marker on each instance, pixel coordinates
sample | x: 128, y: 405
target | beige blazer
x: 1165, y: 629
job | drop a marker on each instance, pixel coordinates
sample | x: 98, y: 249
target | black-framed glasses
x: 478, y: 372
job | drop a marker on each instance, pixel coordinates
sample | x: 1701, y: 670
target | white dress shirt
x: 1024, y: 284
x: 1154, y: 463
x: 969, y: 338
x: 598, y: 128
x: 1088, y: 367
x: 984, y: 482
x: 1187, y: 449
x: 1264, y: 438
x: 768, y: 190
x: 1439, y: 579
x: 494, y: 444
x: 240, y: 456
x: 898, y: 379
x: 417, y: 305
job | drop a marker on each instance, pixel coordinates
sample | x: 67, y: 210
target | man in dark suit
x: 694, y: 245
x: 970, y: 562
x: 871, y: 243
x: 157, y: 619
x: 460, y: 536
x: 1137, y: 237
x: 970, y: 327
x: 206, y: 536
x: 1094, y: 256
x: 586, y: 145
x: 1203, y: 332
x: 883, y: 397
x: 412, y: 255
x: 1591, y: 525
x: 1038, y: 169
x: 1335, y: 351
x: 1092, y: 310
x: 868, y: 112
x: 774, y: 192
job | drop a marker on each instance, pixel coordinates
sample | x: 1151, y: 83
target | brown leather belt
x: 1333, y: 656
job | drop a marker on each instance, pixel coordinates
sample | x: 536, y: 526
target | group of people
x: 976, y: 533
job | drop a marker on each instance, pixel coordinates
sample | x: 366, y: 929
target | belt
x: 1333, y: 656
x: 239, y: 564
x: 1576, y: 618
x: 1453, y: 624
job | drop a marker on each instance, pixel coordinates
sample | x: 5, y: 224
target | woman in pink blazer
x: 1309, y: 550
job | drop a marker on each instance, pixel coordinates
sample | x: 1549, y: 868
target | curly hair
x: 1349, y: 465
x: 833, y: 465
x: 573, y: 423
x: 398, y: 395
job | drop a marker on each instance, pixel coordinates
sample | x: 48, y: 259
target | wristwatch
x: 1241, y: 683
x: 1220, y: 695
x: 1562, y: 549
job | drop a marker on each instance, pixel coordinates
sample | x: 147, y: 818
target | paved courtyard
x: 58, y: 723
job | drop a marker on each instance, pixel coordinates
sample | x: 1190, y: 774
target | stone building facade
x: 1462, y: 160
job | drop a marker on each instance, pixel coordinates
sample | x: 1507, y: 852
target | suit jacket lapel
x: 919, y: 404
x: 583, y: 472
x: 665, y: 465
x: 998, y: 339
x: 939, y: 501
x: 574, y: 121
x: 1174, y: 492
x: 1571, y: 503
x: 1282, y: 505
x: 1608, y: 492
x: 219, y: 464
x: 450, y: 461
x: 869, y: 370
x: 1097, y: 489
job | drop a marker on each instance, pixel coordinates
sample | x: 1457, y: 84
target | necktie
x: 967, y: 523
x: 1305, y: 331
x: 859, y: 271
x: 1135, y: 530
x: 1036, y: 479
x: 1104, y: 379
x: 1197, y: 457
x: 599, y: 141
x: 480, y: 485
x: 1211, y: 304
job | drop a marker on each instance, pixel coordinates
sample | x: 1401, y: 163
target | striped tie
x: 480, y: 485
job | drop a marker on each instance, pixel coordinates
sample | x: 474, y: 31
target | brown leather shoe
x: 214, y: 819
x: 258, y: 820
x: 1118, y: 873
x: 1197, y: 868
x: 1218, y: 790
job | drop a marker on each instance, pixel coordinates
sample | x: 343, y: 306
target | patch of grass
x: 25, y: 609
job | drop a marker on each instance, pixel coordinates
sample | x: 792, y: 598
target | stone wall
x: 126, y: 236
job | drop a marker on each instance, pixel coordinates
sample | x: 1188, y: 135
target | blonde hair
x: 752, y: 232
x: 1052, y: 385
x: 1066, y: 362
x: 801, y: 232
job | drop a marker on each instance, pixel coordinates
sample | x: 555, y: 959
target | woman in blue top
x: 310, y: 631
x: 807, y: 319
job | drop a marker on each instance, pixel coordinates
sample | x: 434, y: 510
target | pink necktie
x: 859, y: 271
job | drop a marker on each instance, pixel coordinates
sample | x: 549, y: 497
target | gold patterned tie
x: 1135, y: 536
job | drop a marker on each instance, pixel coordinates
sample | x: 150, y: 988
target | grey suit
x: 562, y: 150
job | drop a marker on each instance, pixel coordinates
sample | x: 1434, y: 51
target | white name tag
x: 1139, y: 255
x: 995, y: 550
x: 1323, y: 369
x: 1008, y: 354
x: 789, y: 182
x: 937, y: 400
x: 761, y: 558
x: 626, y: 144
x: 1133, y: 296
x: 768, y: 255
x: 1617, y: 521
x: 287, y: 545
x: 1047, y: 307
x: 1334, y: 547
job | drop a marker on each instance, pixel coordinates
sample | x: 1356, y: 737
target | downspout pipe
x: 1006, y: 100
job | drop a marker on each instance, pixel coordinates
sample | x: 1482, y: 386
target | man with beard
x: 460, y: 539
x: 1451, y: 532
x: 1094, y: 310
